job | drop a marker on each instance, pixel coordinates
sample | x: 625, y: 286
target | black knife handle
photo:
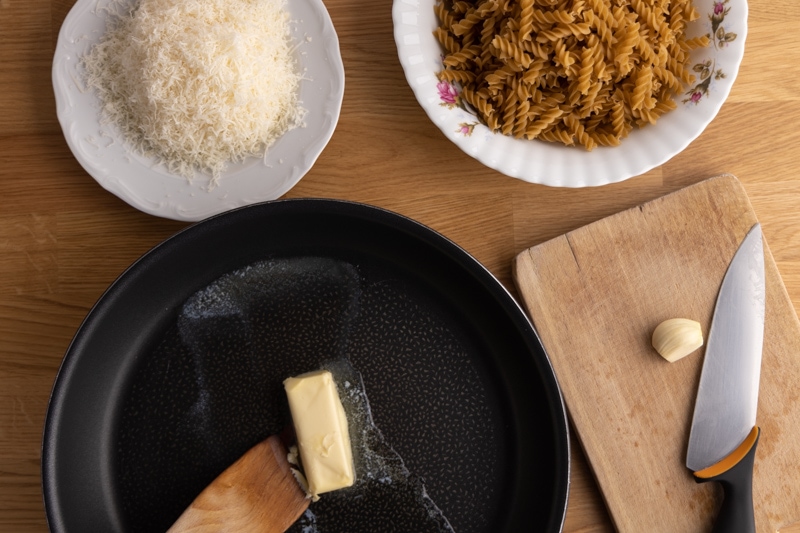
x: 736, y: 514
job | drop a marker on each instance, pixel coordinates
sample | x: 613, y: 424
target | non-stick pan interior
x: 177, y: 371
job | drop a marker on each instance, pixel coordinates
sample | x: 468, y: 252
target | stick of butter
x: 322, y: 435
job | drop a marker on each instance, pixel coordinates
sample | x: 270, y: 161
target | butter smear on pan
x: 322, y: 433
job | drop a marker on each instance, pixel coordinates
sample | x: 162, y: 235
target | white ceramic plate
x: 558, y: 165
x: 146, y: 184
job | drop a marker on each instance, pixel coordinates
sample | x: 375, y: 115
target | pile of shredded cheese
x: 198, y: 83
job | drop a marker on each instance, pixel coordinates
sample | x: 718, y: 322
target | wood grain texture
x: 63, y: 238
x: 595, y: 296
x: 256, y: 494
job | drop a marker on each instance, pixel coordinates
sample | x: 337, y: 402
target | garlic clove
x: 676, y: 338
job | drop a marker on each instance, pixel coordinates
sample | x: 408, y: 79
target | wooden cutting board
x: 596, y: 294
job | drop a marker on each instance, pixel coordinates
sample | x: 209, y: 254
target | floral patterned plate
x: 715, y: 68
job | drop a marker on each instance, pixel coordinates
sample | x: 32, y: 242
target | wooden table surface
x: 63, y: 239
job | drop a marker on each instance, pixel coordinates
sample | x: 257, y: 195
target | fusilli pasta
x: 578, y: 72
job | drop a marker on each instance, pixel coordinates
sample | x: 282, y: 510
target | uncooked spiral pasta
x: 578, y: 72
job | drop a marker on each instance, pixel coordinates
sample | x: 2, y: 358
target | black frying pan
x: 154, y: 399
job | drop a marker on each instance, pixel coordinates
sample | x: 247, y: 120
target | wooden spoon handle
x: 258, y: 493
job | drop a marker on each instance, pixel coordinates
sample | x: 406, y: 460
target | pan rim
x: 428, y: 236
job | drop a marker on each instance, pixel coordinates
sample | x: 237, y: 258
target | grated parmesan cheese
x: 198, y: 83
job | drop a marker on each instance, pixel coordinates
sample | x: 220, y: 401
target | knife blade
x: 724, y: 435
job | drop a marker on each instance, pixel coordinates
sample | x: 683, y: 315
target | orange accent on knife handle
x: 735, y: 474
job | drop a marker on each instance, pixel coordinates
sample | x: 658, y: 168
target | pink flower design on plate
x: 447, y: 93
x: 466, y: 128
x: 707, y: 70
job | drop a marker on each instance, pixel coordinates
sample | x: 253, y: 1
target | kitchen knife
x: 723, y: 438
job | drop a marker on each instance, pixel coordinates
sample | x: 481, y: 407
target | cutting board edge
x: 743, y: 210
x: 725, y: 176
